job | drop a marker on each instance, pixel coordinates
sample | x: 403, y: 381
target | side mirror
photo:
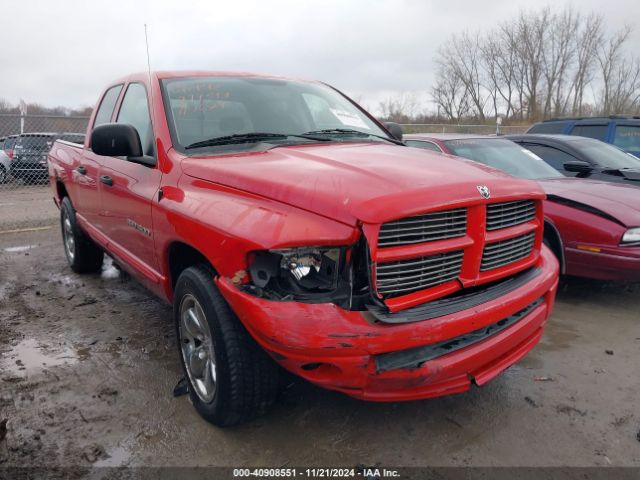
x: 116, y: 140
x: 119, y: 140
x: 578, y: 166
x: 395, y: 129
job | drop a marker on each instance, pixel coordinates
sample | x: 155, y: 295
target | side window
x: 599, y: 132
x: 627, y: 138
x: 424, y: 145
x: 134, y: 110
x: 554, y: 157
x: 105, y: 110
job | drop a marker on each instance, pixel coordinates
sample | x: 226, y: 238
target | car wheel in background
x: 83, y: 255
x: 231, y: 379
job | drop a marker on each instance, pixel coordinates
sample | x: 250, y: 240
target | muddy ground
x: 88, y: 365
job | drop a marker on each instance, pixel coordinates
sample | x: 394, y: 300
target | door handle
x: 82, y: 170
x: 107, y: 180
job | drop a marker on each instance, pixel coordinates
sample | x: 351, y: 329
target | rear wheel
x: 82, y: 253
x: 231, y: 379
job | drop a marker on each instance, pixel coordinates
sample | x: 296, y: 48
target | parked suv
x: 621, y: 131
x: 30, y: 154
x: 30, y: 157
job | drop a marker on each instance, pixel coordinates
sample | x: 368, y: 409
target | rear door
x: 127, y: 189
x: 86, y: 170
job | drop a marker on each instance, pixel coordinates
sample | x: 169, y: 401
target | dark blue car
x: 621, y: 131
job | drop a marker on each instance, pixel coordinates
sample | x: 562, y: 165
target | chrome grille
x: 424, y: 228
x: 406, y: 276
x: 504, y: 252
x: 507, y: 214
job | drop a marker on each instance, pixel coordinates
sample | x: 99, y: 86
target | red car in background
x: 593, y: 227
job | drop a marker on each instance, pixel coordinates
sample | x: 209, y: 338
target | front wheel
x: 231, y: 379
x: 82, y: 253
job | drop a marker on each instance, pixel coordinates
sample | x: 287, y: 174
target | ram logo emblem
x: 484, y: 191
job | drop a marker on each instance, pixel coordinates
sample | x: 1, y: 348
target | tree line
x: 540, y: 64
x: 38, y: 109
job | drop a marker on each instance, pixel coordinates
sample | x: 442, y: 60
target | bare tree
x: 462, y: 56
x: 450, y: 94
x: 588, y: 41
x: 401, y: 107
x: 542, y: 63
x: 559, y: 54
x: 610, y: 56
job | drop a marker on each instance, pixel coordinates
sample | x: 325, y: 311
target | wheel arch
x: 181, y: 256
x: 552, y: 236
x: 61, y: 190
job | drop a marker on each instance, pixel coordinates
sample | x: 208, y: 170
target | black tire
x: 4, y: 175
x: 247, y: 380
x: 87, y: 257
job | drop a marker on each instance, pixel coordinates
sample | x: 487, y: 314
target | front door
x: 127, y: 190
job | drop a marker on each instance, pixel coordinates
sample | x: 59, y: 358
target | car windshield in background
x: 36, y: 142
x: 213, y: 113
x: 605, y: 155
x: 504, y: 155
x: 627, y: 138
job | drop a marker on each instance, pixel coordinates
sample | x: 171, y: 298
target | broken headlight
x: 295, y: 271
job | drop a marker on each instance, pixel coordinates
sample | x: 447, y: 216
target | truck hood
x: 367, y: 182
x: 618, y: 200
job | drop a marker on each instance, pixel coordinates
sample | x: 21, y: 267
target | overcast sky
x: 60, y: 52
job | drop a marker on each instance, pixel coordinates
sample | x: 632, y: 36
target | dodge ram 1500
x: 289, y: 228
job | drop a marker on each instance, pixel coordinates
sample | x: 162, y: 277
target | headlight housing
x: 631, y: 236
x: 298, y: 271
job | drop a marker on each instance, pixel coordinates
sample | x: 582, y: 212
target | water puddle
x: 21, y: 248
x: 117, y: 457
x: 66, y: 280
x: 30, y: 357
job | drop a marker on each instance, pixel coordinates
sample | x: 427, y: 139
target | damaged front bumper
x: 354, y: 352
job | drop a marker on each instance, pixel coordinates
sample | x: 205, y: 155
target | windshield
x: 504, y: 155
x: 36, y: 142
x: 605, y: 155
x: 205, y: 108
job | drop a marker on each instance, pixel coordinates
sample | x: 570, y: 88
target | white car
x: 6, y: 153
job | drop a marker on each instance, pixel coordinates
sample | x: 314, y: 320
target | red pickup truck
x: 289, y: 227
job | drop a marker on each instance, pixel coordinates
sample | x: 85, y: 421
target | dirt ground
x: 88, y: 365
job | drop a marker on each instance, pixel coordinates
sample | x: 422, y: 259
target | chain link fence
x: 473, y: 129
x: 25, y: 141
